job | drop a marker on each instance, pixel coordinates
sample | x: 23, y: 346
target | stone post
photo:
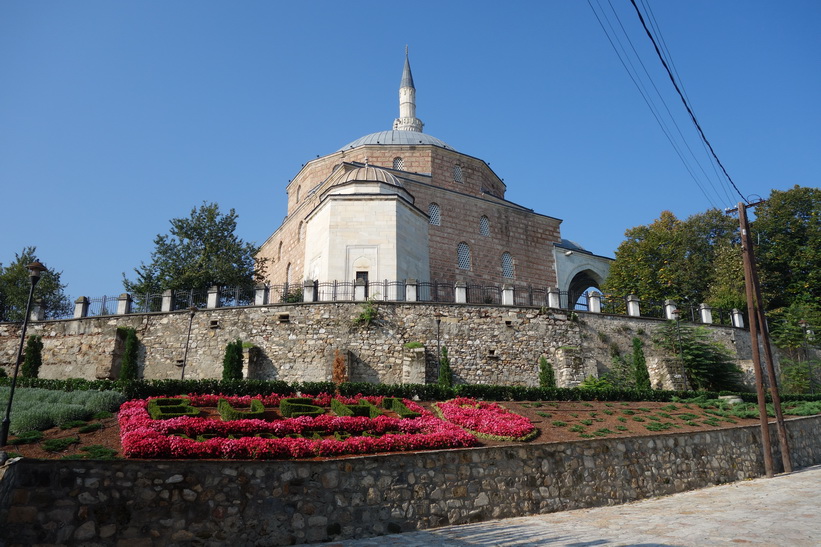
x: 213, y: 297
x: 38, y: 313
x: 706, y: 313
x: 81, y: 307
x: 124, y: 304
x: 460, y: 291
x: 670, y: 310
x: 594, y: 302
x: 738, y: 318
x: 308, y: 293
x: 167, y: 300
x: 411, y: 290
x: 359, y: 290
x: 260, y: 295
x: 507, y: 295
x: 633, y: 309
x: 553, y: 298
x: 413, y: 366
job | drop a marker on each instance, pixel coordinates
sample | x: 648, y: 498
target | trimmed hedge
x: 296, y: 406
x: 228, y: 412
x: 163, y: 409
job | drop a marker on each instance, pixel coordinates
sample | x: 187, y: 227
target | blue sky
x: 118, y: 116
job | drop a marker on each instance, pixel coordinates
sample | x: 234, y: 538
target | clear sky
x: 118, y: 116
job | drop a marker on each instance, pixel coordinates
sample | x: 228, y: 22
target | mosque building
x: 402, y: 204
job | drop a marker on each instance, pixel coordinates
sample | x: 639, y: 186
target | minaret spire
x: 407, y: 120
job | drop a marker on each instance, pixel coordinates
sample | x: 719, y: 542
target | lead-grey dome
x: 397, y: 138
x: 368, y: 173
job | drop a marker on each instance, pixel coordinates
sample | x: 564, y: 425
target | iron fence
x: 104, y: 305
x: 436, y: 291
x: 146, y: 303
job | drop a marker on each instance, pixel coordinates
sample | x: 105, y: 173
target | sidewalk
x: 784, y: 511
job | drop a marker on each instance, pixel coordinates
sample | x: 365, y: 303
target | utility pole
x: 757, y: 321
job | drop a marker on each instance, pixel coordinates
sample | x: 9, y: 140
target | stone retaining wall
x: 139, y: 503
x: 297, y: 342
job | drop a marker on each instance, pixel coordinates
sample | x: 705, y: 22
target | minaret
x: 407, y: 120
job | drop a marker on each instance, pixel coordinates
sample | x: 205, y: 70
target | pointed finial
x: 406, y: 50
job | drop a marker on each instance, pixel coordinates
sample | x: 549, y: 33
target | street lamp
x: 35, y: 269
x: 438, y: 317
x: 191, y: 311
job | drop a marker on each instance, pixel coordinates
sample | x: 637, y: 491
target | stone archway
x: 580, y: 283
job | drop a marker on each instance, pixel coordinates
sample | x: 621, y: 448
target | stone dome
x: 369, y: 173
x: 396, y: 137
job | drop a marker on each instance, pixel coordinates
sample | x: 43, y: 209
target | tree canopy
x: 200, y: 251
x: 699, y: 259
x: 15, y: 287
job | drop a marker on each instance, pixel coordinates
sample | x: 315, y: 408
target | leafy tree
x: 671, y: 258
x: 232, y: 362
x: 547, y: 379
x: 201, y: 250
x: 787, y: 230
x: 33, y: 357
x: 793, y: 330
x: 642, y: 375
x: 128, y: 367
x: 445, y: 373
x: 708, y: 364
x: 15, y: 287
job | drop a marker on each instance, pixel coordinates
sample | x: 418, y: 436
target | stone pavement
x: 784, y: 511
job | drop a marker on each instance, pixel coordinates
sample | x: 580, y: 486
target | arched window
x: 398, y: 163
x: 299, y: 232
x: 279, y: 251
x: 457, y: 173
x: 484, y: 226
x: 288, y: 274
x: 507, y: 265
x: 434, y: 214
x: 463, y: 255
x: 298, y: 193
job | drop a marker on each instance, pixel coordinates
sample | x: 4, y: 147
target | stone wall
x: 133, y: 503
x: 297, y: 342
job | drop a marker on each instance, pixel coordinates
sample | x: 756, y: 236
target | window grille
x: 484, y: 226
x: 463, y: 254
x: 507, y: 265
x: 434, y: 214
x: 398, y: 164
x: 457, y: 173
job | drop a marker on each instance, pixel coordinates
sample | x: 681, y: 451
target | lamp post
x: 191, y: 311
x: 438, y: 317
x: 35, y: 269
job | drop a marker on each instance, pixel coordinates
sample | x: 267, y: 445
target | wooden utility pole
x: 756, y: 318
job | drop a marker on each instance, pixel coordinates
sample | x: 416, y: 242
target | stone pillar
x: 553, y: 298
x: 38, y: 313
x: 411, y: 290
x: 81, y: 307
x: 213, y: 297
x: 167, y: 300
x: 413, y: 366
x: 706, y: 313
x: 738, y: 318
x: 260, y: 295
x: 507, y: 295
x: 633, y: 306
x: 594, y: 302
x: 460, y: 291
x: 124, y: 304
x: 670, y: 310
x: 308, y: 293
x: 359, y: 290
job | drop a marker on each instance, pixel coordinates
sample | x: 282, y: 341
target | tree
x: 445, y: 373
x: 642, y: 375
x: 671, y: 258
x: 547, y: 379
x: 708, y: 364
x: 787, y: 230
x: 128, y: 367
x: 15, y: 287
x: 794, y: 330
x: 33, y: 357
x: 201, y: 250
x: 232, y: 362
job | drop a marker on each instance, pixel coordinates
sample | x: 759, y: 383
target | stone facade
x: 297, y: 342
x: 139, y: 503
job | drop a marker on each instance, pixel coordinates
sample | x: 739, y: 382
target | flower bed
x: 300, y: 437
x: 487, y: 420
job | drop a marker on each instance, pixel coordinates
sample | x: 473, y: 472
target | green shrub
x: 33, y: 357
x: 58, y: 445
x: 414, y: 345
x: 294, y: 407
x: 232, y: 362
x: 547, y: 378
x: 445, y: 373
x: 396, y: 405
x: 72, y: 424
x: 90, y: 428
x: 364, y: 408
x: 640, y: 365
x: 128, y: 367
x: 27, y: 437
x: 171, y: 407
x: 98, y: 452
x: 229, y: 413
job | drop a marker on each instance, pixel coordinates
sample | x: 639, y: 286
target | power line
x: 683, y: 100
